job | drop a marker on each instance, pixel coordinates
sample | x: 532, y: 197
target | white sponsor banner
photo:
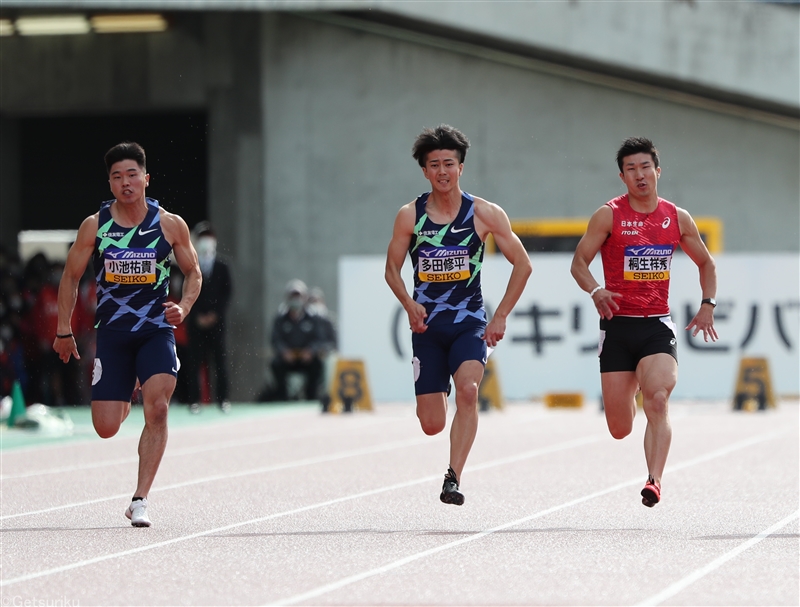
x: 551, y: 337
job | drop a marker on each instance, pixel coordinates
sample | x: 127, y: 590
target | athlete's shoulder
x: 91, y: 222
x: 166, y: 216
x: 484, y: 207
x: 620, y: 202
x: 88, y: 229
x: 685, y: 220
x: 669, y: 209
x: 173, y: 226
x: 602, y: 220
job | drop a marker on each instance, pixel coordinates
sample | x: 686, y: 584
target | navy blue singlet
x: 131, y: 266
x: 447, y: 262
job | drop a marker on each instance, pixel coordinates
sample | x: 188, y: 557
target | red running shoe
x: 651, y: 494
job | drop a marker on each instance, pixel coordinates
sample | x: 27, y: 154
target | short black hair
x: 127, y: 150
x: 443, y: 137
x: 637, y: 145
x: 204, y: 228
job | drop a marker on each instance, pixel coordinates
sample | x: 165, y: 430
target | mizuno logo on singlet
x: 141, y: 233
x: 454, y: 231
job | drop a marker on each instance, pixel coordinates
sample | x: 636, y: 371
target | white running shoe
x: 137, y: 512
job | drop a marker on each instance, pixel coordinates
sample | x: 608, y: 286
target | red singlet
x: 637, y: 257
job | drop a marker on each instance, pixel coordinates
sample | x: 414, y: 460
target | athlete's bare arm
x: 395, y: 256
x: 79, y: 254
x: 490, y: 218
x: 177, y: 234
x: 597, y: 231
x: 696, y: 249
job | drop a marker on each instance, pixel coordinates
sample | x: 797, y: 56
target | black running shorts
x: 625, y: 340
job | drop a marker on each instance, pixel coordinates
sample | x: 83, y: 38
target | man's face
x: 128, y: 181
x: 206, y: 247
x: 640, y: 175
x: 443, y: 168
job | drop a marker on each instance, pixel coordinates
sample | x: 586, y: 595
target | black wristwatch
x: 709, y: 300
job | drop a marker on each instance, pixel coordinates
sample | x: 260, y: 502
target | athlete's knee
x: 431, y: 428
x: 155, y: 413
x: 467, y: 393
x: 656, y: 402
x: 105, y: 429
x: 619, y: 432
x: 619, y: 428
x: 431, y: 425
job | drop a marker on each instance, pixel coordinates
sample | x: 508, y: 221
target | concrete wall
x: 748, y: 49
x: 743, y: 48
x: 207, y: 61
x: 311, y: 123
x: 342, y: 108
x: 10, y: 210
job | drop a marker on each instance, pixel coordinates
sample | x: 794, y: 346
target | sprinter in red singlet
x: 636, y: 234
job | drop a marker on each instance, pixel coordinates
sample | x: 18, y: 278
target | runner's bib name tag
x: 130, y: 266
x: 648, y: 262
x: 443, y: 264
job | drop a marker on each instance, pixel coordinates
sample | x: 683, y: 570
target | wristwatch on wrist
x: 709, y: 300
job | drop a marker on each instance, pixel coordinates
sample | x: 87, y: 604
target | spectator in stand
x: 59, y: 384
x: 319, y: 309
x: 12, y: 360
x: 206, y: 322
x: 85, y: 335
x: 298, y: 344
x: 34, y: 276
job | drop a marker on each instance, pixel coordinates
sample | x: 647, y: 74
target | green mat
x: 179, y: 417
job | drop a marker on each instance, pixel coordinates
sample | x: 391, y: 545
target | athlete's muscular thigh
x: 619, y: 389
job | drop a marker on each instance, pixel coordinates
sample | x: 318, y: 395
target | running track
x: 277, y: 505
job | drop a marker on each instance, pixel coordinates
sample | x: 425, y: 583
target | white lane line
x: 320, y: 590
x: 536, y: 452
x: 190, y: 450
x: 185, y: 451
x: 272, y: 468
x: 690, y: 579
x: 329, y: 457
x: 135, y: 459
x: 539, y: 416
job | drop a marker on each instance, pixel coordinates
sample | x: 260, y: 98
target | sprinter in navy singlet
x: 444, y: 232
x: 131, y: 239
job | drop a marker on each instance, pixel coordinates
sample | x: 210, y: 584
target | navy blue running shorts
x: 123, y: 356
x: 625, y: 340
x: 440, y: 350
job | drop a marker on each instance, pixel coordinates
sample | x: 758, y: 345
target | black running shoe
x: 450, y: 493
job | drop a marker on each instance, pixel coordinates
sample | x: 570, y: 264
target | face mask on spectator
x: 207, y: 246
x: 296, y: 303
